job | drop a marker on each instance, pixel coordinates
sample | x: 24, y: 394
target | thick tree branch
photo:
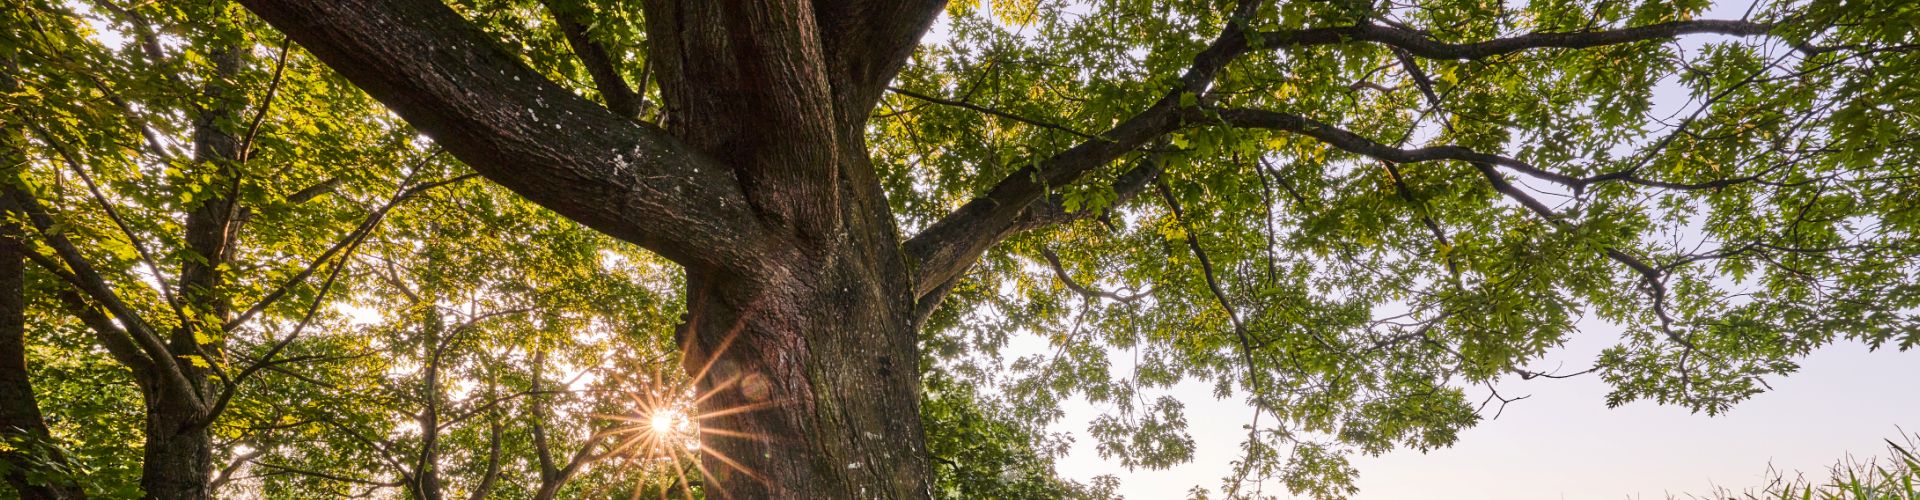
x: 133, y: 238
x: 226, y: 473
x: 946, y: 248
x: 1041, y: 213
x: 1357, y: 144
x: 1652, y: 279
x: 118, y: 343
x: 78, y: 272
x: 1424, y: 45
x: 551, y: 479
x: 491, y: 111
x: 492, y: 473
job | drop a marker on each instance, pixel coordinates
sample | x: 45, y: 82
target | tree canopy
x: 420, y: 249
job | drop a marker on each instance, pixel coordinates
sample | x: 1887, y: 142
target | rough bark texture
x: 179, y: 453
x: 815, y: 392
x: 811, y: 382
x: 627, y: 179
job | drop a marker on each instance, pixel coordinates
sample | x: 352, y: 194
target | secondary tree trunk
x: 179, y: 453
x: 179, y: 450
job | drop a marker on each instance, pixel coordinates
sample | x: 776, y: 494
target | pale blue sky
x: 1563, y: 442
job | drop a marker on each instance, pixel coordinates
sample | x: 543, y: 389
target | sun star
x: 663, y: 422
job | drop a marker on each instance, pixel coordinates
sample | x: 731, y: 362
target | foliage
x: 1773, y: 212
x: 981, y: 452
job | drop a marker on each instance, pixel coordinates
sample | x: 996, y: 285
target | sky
x: 1562, y: 442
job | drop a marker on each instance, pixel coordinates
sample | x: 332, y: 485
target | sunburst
x: 659, y: 432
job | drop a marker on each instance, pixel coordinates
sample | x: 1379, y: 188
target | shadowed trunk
x: 179, y: 452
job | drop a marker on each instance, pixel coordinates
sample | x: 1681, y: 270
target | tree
x: 1343, y: 212
x: 155, y: 188
x: 818, y: 232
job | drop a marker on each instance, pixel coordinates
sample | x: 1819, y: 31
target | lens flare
x: 664, y: 423
x: 658, y: 433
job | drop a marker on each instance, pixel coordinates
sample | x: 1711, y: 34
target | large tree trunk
x: 812, y: 389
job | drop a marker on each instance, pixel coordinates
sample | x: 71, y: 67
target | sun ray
x: 624, y: 445
x: 686, y: 488
x: 662, y: 425
x: 736, y: 465
x: 707, y: 477
x: 726, y: 342
x: 715, y: 390
x: 740, y: 409
x: 742, y: 435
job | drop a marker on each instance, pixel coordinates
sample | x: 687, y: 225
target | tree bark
x: 806, y: 355
x: 179, y: 452
x: 811, y: 379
